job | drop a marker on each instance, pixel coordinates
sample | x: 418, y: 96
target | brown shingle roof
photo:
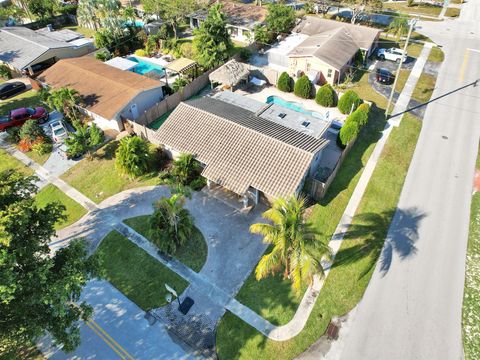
x: 105, y: 89
x: 239, y: 148
x: 331, y: 41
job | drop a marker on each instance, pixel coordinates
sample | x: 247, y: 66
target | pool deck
x: 308, y: 104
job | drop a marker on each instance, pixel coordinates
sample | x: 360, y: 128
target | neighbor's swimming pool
x: 144, y: 67
x: 293, y: 106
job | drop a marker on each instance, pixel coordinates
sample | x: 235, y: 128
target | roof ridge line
x: 250, y: 129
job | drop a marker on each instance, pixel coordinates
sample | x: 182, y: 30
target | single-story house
x: 323, y: 49
x: 241, y: 19
x: 108, y: 94
x: 25, y: 50
x: 256, y: 150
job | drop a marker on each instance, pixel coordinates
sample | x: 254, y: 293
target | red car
x: 18, y: 116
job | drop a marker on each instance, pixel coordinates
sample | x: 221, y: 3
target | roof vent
x: 263, y: 109
x: 305, y: 123
x: 282, y: 115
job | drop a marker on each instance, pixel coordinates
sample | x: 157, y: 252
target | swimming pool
x: 137, y: 23
x: 144, y: 67
x: 293, y: 106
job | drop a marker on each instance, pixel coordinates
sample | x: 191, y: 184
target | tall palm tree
x: 185, y: 168
x: 64, y: 100
x: 171, y: 224
x: 295, y: 246
x: 87, y: 13
x: 399, y: 26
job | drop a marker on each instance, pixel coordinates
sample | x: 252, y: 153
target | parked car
x: 384, y: 76
x: 18, y: 117
x: 59, y: 130
x: 392, y: 54
x: 11, y: 88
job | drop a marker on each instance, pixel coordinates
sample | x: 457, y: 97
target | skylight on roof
x: 305, y: 123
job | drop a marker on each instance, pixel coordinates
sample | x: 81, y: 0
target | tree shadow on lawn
x: 392, y: 231
x: 353, y: 163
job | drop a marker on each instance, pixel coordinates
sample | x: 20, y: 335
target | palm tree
x: 64, y: 100
x: 171, y: 224
x: 295, y: 247
x: 128, y: 13
x: 399, y: 26
x: 87, y: 13
x: 185, y: 169
x: 132, y: 156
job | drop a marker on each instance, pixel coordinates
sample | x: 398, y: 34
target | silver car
x: 59, y: 130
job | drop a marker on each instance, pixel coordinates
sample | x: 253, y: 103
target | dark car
x: 11, y: 88
x: 384, y: 76
x: 18, y: 117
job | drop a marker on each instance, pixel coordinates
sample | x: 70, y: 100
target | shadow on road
x: 378, y: 233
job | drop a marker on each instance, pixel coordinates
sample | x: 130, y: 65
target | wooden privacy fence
x: 318, y: 189
x: 172, y: 101
x: 142, y: 131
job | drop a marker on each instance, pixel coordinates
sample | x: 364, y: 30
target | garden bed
x: 193, y: 254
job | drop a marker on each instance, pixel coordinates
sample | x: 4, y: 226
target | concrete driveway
x: 118, y: 330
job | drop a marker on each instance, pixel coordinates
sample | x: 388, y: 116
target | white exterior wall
x: 64, y: 53
x: 242, y: 34
x: 103, y: 123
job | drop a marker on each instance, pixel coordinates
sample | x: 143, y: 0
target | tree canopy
x: 280, y: 19
x: 212, y: 42
x: 170, y: 11
x: 39, y: 291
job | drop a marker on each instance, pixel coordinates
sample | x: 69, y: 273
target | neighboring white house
x: 241, y: 19
x: 23, y: 49
x: 108, y: 94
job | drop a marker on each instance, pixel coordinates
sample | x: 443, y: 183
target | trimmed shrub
x: 348, y: 132
x: 349, y: 102
x: 42, y: 147
x: 30, y: 131
x: 5, y: 72
x: 103, y: 55
x: 326, y: 96
x: 244, y: 54
x: 303, y: 87
x: 141, y: 52
x: 364, y: 110
x: 285, y: 82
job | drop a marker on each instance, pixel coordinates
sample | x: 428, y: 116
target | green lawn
x: 413, y: 49
x: 361, y: 86
x: 471, y: 300
x: 7, y: 161
x: 424, y: 89
x: 98, y: 179
x: 50, y: 193
x: 135, y: 273
x: 436, y: 55
x: 39, y: 159
x: 402, y: 79
x: 419, y: 8
x: 88, y: 33
x: 452, y: 12
x: 420, y: 37
x: 193, y: 254
x: 29, y: 98
x: 355, y: 261
x: 456, y: 1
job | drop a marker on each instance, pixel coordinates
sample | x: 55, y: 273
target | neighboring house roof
x: 238, y: 14
x: 333, y: 42
x: 20, y: 46
x: 105, y: 90
x: 239, y: 148
x: 60, y: 35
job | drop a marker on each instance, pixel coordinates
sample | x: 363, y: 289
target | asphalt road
x: 117, y: 330
x: 413, y: 309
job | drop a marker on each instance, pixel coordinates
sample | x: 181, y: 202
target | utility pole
x: 412, y: 24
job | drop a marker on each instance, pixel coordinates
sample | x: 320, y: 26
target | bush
x: 349, y: 102
x: 303, y: 87
x: 410, y: 3
x: 42, y: 147
x: 14, y: 134
x: 244, y: 54
x: 5, y: 72
x: 103, y: 55
x: 326, y: 96
x: 132, y: 156
x: 179, y: 84
x: 348, y: 132
x: 30, y: 131
x: 96, y: 135
x: 141, y: 52
x: 187, y: 50
x: 285, y: 82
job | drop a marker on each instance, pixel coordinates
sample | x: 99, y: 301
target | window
x: 233, y: 31
x: 329, y: 74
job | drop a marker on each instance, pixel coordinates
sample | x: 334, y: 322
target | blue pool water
x: 138, y: 23
x: 293, y: 106
x: 144, y: 67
